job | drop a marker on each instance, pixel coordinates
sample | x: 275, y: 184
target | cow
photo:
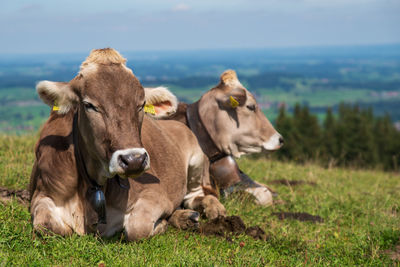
x: 104, y: 166
x: 228, y: 123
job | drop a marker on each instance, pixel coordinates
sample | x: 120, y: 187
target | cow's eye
x: 89, y: 106
x: 251, y: 107
x: 142, y: 106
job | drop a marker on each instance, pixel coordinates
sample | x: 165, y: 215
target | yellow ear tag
x: 56, y: 107
x: 148, y: 108
x: 234, y: 102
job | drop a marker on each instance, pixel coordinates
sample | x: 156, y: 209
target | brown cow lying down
x: 97, y: 134
x: 228, y: 122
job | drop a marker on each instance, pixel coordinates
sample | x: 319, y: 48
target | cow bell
x: 98, y: 203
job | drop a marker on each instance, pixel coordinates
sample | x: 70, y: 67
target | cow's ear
x: 58, y: 95
x: 235, y: 98
x: 160, y: 102
x: 233, y: 91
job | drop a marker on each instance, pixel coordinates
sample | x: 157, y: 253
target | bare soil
x: 300, y: 216
x: 21, y: 195
x: 291, y: 182
x: 231, y: 226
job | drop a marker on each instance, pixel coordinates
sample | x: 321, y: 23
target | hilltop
x: 323, y: 216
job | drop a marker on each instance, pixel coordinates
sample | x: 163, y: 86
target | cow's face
x: 109, y: 100
x: 234, y: 120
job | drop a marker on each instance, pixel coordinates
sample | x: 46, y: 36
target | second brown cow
x: 228, y: 123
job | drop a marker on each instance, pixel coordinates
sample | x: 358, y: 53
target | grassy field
x: 360, y: 212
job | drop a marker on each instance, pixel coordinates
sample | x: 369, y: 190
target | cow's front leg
x: 263, y: 196
x: 208, y: 205
x: 47, y: 218
x: 229, y: 178
x: 198, y: 181
x: 147, y: 219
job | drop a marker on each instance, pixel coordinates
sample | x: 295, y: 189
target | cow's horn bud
x: 229, y: 76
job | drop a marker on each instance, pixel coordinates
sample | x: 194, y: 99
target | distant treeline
x: 379, y: 107
x: 282, y: 80
x: 328, y: 80
x: 353, y: 138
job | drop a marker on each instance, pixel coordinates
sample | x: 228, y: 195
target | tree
x: 284, y: 126
x: 329, y: 140
x: 387, y: 140
x: 309, y: 133
x: 355, y: 139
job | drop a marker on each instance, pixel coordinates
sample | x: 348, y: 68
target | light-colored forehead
x: 234, y: 83
x: 102, y: 57
x: 102, y: 73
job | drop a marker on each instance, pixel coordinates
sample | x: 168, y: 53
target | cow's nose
x: 129, y: 162
x: 133, y: 163
x: 281, y: 142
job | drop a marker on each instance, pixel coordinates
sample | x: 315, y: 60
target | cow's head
x: 110, y: 102
x: 234, y: 120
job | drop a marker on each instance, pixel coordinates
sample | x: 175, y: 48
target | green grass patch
x: 17, y: 94
x: 316, y: 98
x: 360, y: 210
x: 21, y: 110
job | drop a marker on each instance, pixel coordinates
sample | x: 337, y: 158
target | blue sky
x: 57, y: 26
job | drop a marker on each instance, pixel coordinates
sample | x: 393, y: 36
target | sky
x: 59, y: 26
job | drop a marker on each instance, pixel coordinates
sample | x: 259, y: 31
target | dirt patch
x: 229, y: 226
x: 222, y: 225
x: 300, y: 216
x: 393, y: 254
x: 291, y: 182
x: 7, y: 195
x: 256, y: 232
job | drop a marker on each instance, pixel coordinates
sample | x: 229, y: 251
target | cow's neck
x: 94, y: 194
x: 195, y: 123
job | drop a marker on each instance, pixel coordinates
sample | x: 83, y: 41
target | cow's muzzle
x: 129, y: 162
x: 274, y: 143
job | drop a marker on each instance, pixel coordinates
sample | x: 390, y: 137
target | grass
x: 317, y: 98
x: 360, y: 211
x: 21, y: 110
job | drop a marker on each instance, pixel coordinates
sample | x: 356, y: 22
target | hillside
x: 337, y: 217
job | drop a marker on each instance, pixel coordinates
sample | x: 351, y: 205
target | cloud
x: 181, y: 7
x: 30, y: 8
x: 193, y: 24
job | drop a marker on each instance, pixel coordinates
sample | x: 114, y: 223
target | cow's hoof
x: 213, y: 208
x: 262, y: 195
x: 185, y: 219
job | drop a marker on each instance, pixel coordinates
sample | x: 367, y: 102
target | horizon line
x: 266, y: 48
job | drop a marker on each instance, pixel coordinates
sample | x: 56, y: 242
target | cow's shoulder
x: 55, y: 167
x: 179, y: 134
x: 56, y: 135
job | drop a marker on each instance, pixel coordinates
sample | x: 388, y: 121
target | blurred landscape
x: 325, y: 73
x: 316, y: 77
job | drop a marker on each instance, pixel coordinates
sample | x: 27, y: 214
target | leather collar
x: 95, y: 193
